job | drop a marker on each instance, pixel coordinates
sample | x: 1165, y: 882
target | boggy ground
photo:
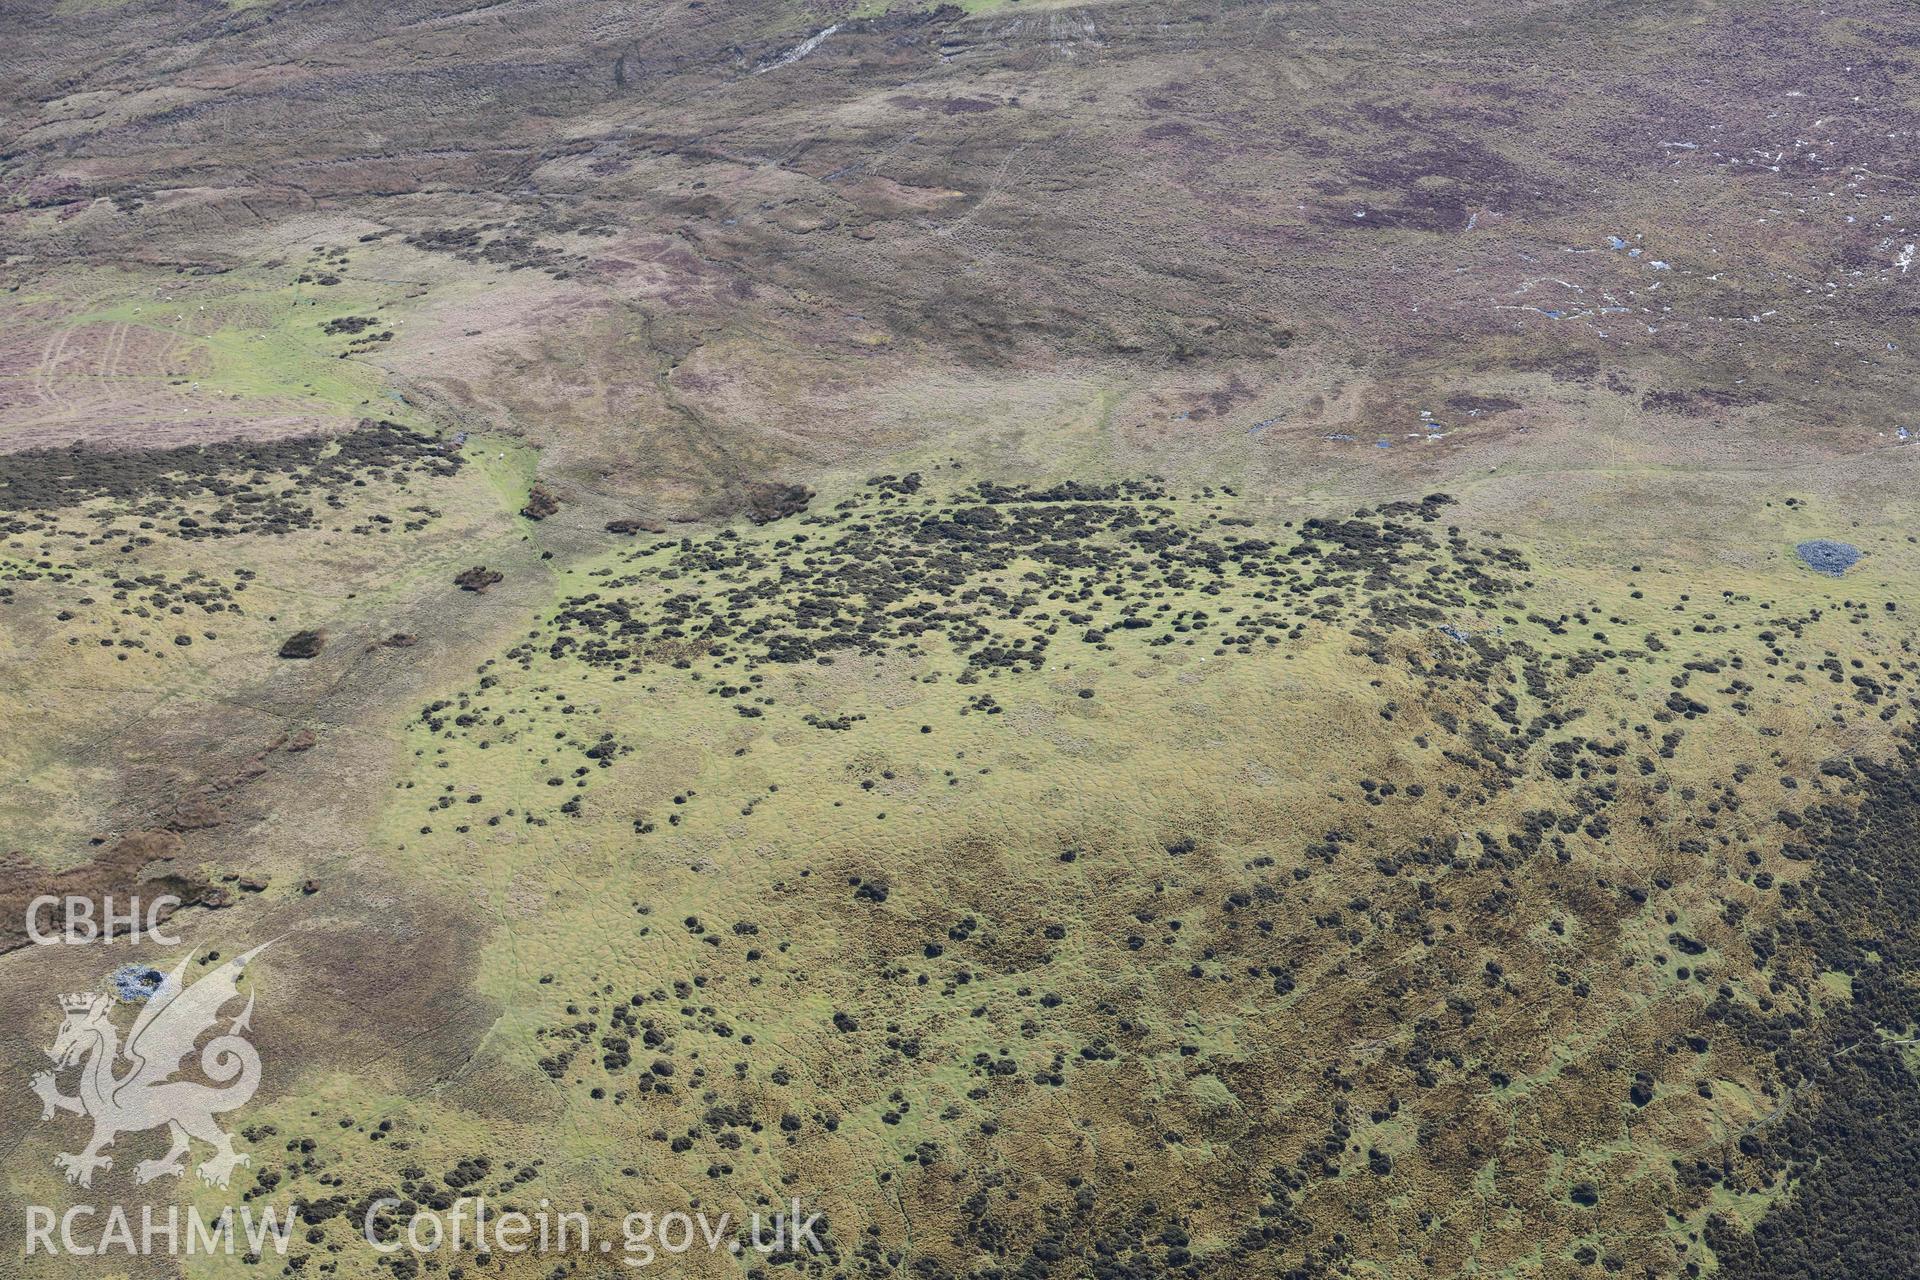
x: 1101, y: 638
x: 1110, y: 870
x: 1445, y: 918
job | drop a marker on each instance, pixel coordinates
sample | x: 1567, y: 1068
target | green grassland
x: 125, y: 619
x: 1043, y: 885
x: 256, y: 343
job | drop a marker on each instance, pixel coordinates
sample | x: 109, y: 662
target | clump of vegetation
x: 304, y: 644
x: 540, y: 503
x: 477, y: 579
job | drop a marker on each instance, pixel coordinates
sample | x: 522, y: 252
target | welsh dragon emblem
x: 131, y: 1089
